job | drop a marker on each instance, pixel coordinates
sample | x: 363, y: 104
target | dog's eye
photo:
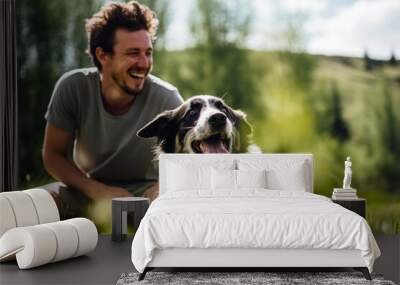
x: 222, y: 108
x: 192, y: 113
x: 226, y: 111
x: 219, y: 105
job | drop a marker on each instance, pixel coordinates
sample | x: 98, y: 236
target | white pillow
x: 290, y: 179
x: 183, y: 178
x: 223, y: 179
x: 226, y: 179
x: 190, y: 174
x: 282, y: 174
x: 251, y: 178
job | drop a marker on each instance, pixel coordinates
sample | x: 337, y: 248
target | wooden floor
x: 110, y: 260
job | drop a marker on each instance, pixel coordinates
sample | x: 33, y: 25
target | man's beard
x: 129, y: 91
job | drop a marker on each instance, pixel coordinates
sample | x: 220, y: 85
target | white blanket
x: 250, y: 219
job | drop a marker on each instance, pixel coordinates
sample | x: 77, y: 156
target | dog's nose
x: 217, y: 120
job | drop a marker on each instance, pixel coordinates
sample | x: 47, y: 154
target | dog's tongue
x: 213, y: 146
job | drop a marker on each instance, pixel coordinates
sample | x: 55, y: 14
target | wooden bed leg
x: 143, y: 274
x: 364, y: 271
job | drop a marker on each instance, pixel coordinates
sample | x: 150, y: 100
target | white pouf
x: 45, y: 205
x: 31, y: 231
x: 66, y: 237
x: 23, y: 208
x: 40, y: 244
x: 26, y: 208
x: 87, y: 235
x: 7, y: 218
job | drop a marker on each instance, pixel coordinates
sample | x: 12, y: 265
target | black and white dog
x: 202, y: 124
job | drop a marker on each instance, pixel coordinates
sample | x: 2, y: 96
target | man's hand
x: 100, y: 210
x: 105, y: 192
x: 152, y: 192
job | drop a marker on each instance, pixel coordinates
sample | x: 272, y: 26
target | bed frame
x: 246, y: 258
x: 243, y: 259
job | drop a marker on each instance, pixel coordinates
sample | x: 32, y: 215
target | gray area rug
x: 230, y: 278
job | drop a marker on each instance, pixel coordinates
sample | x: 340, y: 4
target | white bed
x: 269, y: 217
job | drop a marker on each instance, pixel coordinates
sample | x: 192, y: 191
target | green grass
x: 384, y: 218
x: 383, y: 211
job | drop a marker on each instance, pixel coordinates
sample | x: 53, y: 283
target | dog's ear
x: 239, y: 119
x: 160, y: 126
x: 244, y: 131
x: 242, y: 124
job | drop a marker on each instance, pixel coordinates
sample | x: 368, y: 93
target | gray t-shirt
x: 106, y: 146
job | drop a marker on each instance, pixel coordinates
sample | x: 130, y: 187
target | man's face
x: 131, y: 61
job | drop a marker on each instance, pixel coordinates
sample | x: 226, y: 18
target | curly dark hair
x: 101, y: 27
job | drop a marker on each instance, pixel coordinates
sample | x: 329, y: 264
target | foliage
x: 393, y: 60
x: 161, y: 7
x: 339, y: 128
x: 50, y: 41
x: 218, y: 64
x: 387, y: 144
x: 384, y: 212
x: 368, y: 63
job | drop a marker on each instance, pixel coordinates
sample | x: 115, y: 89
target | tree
x: 393, y: 60
x: 388, y: 141
x: 50, y: 40
x: 161, y: 7
x: 77, y: 41
x: 219, y: 63
x: 339, y: 128
x: 368, y: 63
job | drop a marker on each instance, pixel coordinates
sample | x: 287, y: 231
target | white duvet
x: 250, y: 219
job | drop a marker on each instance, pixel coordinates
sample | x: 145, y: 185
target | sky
x: 341, y: 27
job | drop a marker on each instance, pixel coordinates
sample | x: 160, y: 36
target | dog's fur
x: 202, y: 124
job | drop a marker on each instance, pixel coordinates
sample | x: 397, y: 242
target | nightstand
x: 355, y: 205
x: 120, y: 209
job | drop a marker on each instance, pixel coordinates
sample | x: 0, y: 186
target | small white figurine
x: 347, y: 174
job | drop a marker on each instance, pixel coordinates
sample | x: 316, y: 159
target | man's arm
x: 57, y: 164
x: 152, y: 192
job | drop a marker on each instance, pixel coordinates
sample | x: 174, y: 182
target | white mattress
x: 254, y: 218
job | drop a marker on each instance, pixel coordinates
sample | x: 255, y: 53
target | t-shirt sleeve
x: 173, y: 101
x: 62, y: 110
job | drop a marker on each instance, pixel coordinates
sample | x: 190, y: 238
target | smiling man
x: 100, y: 109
